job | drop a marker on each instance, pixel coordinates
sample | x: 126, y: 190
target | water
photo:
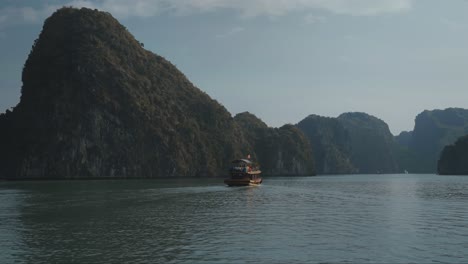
x: 348, y: 219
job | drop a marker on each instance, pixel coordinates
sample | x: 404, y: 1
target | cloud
x: 282, y: 7
x: 20, y: 15
x: 246, y: 8
x: 362, y: 7
x: 453, y: 25
x: 230, y: 32
x: 314, y: 19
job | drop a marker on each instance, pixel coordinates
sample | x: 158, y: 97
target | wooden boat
x: 244, y: 172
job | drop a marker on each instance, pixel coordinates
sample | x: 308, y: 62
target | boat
x: 244, y: 172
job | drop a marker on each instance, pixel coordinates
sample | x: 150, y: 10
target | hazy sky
x: 285, y: 59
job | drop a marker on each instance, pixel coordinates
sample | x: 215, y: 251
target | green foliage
x: 351, y: 143
x: 371, y: 143
x: 280, y: 151
x: 433, y: 131
x: 404, y: 138
x: 453, y: 159
x: 94, y: 103
x: 329, y: 141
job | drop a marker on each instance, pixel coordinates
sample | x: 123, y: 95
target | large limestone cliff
x: 283, y: 151
x: 352, y: 143
x: 94, y: 103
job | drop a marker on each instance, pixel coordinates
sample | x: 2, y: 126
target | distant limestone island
x: 420, y: 149
x: 454, y: 158
x: 351, y: 143
x: 360, y: 143
x: 95, y: 104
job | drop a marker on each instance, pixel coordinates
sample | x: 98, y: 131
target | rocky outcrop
x: 372, y: 146
x: 329, y: 140
x: 351, y: 143
x: 433, y: 131
x: 283, y: 151
x: 404, y: 138
x: 454, y: 158
x: 94, y: 103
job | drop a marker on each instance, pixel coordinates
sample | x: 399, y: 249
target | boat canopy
x: 242, y: 161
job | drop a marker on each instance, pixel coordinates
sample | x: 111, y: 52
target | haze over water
x: 359, y: 218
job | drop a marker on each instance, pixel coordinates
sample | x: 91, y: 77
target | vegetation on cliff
x: 454, y: 158
x: 358, y: 142
x: 371, y: 143
x: 280, y: 151
x: 351, y: 143
x: 433, y: 130
x: 329, y: 140
x: 94, y: 103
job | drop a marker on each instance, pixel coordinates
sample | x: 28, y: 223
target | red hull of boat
x: 243, y: 182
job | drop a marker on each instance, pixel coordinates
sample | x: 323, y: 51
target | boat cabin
x: 244, y: 172
x: 243, y: 167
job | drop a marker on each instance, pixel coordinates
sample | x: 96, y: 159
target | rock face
x: 454, y: 158
x: 372, y: 144
x: 94, y: 103
x: 330, y: 143
x: 404, y: 138
x: 283, y: 151
x: 433, y: 131
x: 351, y: 143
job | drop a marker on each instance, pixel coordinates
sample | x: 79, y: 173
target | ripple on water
x: 342, y: 219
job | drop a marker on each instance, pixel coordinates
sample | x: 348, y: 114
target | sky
x: 283, y: 60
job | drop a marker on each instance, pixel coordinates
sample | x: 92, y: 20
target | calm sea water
x: 349, y: 219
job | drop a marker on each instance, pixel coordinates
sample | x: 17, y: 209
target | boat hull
x: 243, y: 182
x: 243, y: 173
